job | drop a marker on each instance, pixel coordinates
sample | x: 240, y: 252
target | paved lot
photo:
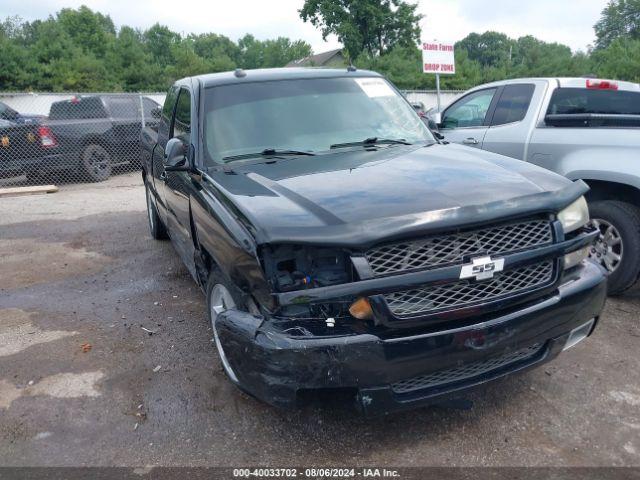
x: 78, y: 268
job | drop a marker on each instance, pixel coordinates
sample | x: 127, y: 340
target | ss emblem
x: 482, y: 268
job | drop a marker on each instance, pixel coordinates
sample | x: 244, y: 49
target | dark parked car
x: 350, y: 251
x: 23, y: 145
x: 93, y: 133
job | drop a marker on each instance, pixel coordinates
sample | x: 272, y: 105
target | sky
x: 565, y: 21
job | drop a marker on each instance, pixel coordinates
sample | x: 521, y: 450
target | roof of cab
x: 274, y: 74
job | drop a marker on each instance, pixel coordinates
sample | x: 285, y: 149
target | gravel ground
x: 83, y: 383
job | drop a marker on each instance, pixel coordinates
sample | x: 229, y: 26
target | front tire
x: 222, y: 295
x: 617, y: 248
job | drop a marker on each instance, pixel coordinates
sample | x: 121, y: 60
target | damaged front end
x: 409, y: 320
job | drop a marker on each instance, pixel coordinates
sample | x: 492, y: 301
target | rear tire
x: 156, y: 227
x: 618, y: 246
x: 96, y: 163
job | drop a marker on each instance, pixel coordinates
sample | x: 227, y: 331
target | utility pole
x: 438, y: 89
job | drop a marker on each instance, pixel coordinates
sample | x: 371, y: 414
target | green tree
x: 282, y: 50
x: 132, y: 63
x: 91, y: 31
x: 620, y: 60
x: 216, y: 48
x: 82, y: 72
x: 13, y: 74
x: 186, y: 62
x: 160, y: 41
x: 371, y: 26
x: 489, y: 49
x: 256, y: 53
x: 619, y: 19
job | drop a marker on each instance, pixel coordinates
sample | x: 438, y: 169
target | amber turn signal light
x: 361, y: 309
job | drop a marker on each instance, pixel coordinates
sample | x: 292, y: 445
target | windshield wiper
x: 373, y: 141
x: 267, y: 152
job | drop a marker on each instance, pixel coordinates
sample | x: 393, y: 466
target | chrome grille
x: 465, y: 372
x: 453, y: 248
x: 465, y: 293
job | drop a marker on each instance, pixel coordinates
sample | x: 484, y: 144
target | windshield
x: 310, y: 115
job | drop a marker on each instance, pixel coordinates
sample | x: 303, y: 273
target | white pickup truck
x: 581, y: 128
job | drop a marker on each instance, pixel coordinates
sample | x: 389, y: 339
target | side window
x: 88, y: 108
x: 169, y: 103
x: 182, y: 121
x: 167, y: 114
x: 469, y: 111
x: 148, y: 105
x: 513, y: 104
x: 123, y: 107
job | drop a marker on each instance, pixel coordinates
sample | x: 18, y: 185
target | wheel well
x: 93, y: 140
x: 603, y: 190
x: 204, y: 262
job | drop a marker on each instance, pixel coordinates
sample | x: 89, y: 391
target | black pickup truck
x: 92, y: 133
x: 342, y: 247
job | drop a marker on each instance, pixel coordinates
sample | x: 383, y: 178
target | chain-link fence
x: 89, y: 137
x: 71, y: 138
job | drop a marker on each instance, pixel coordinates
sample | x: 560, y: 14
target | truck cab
x: 581, y: 128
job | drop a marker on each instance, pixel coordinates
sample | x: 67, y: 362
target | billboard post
x: 438, y: 58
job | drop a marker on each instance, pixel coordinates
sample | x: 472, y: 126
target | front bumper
x: 274, y: 366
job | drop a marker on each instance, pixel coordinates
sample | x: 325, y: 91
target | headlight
x: 574, y: 216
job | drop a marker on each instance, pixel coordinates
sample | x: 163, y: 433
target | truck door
x: 179, y: 185
x: 511, y: 121
x: 466, y: 121
x: 157, y: 155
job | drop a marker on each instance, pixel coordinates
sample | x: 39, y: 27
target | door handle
x: 470, y: 141
x: 163, y: 176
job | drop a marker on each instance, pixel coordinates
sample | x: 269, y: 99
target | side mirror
x: 175, y: 155
x: 433, y: 122
x: 156, y: 112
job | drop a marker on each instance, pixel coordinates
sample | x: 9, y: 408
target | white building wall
x: 430, y: 99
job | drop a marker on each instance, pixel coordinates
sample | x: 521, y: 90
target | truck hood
x: 359, y: 197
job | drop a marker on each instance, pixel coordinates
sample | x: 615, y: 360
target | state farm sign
x: 438, y: 58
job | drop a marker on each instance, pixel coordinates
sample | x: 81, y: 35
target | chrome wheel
x: 608, y: 249
x: 220, y: 300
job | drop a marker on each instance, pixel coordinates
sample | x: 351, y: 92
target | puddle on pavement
x: 27, y: 262
x: 18, y: 333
